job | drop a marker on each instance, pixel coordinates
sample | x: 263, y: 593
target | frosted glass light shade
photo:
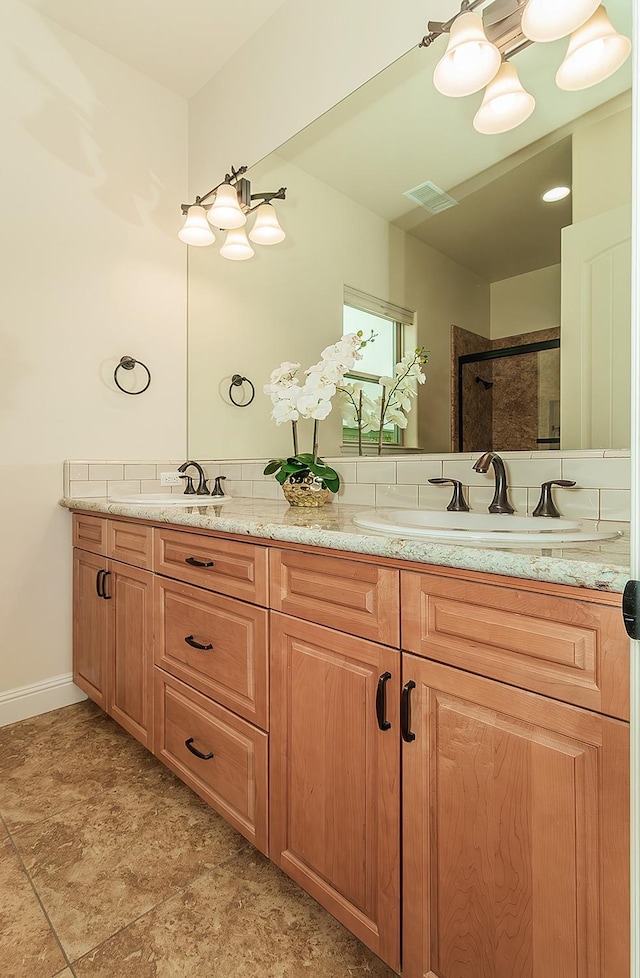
x: 226, y: 211
x: 547, y: 20
x: 196, y: 229
x: 266, y: 229
x: 595, y: 51
x: 236, y: 246
x: 470, y: 61
x: 506, y: 104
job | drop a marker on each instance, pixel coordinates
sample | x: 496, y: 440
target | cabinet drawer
x: 353, y: 597
x: 232, y: 776
x: 90, y: 533
x: 574, y: 651
x: 131, y: 543
x: 233, y: 670
x: 236, y: 569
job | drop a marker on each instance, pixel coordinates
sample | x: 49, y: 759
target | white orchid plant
x: 393, y: 403
x: 312, y: 399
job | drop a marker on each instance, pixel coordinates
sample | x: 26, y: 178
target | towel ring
x: 128, y: 363
x: 238, y: 381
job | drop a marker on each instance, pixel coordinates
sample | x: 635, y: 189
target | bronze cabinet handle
x: 190, y: 640
x: 194, y: 750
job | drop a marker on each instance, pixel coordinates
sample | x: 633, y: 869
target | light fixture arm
x: 437, y: 28
x: 233, y: 177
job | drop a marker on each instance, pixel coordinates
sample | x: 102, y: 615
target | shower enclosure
x: 508, y: 399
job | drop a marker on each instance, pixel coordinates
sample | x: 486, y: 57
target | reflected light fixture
x: 470, y: 61
x: 227, y: 207
x: 549, y: 20
x: 506, y: 104
x: 481, y: 47
x: 595, y: 51
x: 555, y: 194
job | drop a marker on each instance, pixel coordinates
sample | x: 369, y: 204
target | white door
x: 596, y: 328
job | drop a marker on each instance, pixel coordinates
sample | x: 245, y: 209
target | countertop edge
x: 593, y: 574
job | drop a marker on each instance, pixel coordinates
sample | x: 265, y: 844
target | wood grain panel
x: 574, y: 651
x: 344, y: 594
x: 234, y: 780
x: 90, y: 533
x: 90, y: 627
x: 130, y: 698
x: 335, y: 777
x: 130, y: 543
x: 236, y: 569
x: 234, y: 671
x: 515, y: 833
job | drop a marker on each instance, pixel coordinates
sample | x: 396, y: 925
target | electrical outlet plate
x: 170, y: 479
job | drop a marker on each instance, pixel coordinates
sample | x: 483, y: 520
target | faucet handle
x: 546, y: 505
x: 217, y: 488
x: 189, y: 491
x: 458, y: 503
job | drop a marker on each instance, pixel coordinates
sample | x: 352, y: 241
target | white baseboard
x: 30, y: 701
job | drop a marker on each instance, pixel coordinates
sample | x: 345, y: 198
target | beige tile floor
x: 111, y: 868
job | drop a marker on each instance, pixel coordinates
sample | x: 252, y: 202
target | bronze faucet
x: 500, y: 502
x: 202, y: 489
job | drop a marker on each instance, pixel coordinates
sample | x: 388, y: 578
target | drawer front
x: 236, y: 569
x: 352, y: 597
x: 574, y: 651
x: 232, y: 666
x: 131, y: 543
x: 90, y: 533
x: 232, y: 775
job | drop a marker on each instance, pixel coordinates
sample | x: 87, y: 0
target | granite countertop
x: 603, y: 566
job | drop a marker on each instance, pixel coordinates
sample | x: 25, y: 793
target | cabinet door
x: 335, y: 790
x: 515, y: 833
x: 130, y: 696
x: 90, y: 626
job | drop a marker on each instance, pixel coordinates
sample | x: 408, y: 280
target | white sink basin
x: 168, y: 499
x: 495, y: 529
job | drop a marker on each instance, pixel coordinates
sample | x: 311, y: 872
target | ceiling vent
x: 431, y: 197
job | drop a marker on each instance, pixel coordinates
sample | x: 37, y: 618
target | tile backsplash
x: 601, y: 493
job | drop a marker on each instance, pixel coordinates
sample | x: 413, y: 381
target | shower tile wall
x: 508, y: 413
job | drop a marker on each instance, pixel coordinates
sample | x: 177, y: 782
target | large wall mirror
x: 523, y: 305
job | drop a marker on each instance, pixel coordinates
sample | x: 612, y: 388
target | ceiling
x: 179, y: 43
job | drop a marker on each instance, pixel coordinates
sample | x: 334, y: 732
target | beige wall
x: 526, y: 302
x: 304, y: 60
x: 286, y: 304
x: 602, y: 167
x: 93, y: 163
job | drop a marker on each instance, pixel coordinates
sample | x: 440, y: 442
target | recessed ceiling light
x: 556, y: 193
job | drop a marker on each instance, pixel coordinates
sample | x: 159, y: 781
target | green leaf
x: 273, y: 466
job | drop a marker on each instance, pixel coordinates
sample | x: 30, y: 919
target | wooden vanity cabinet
x: 516, y: 831
x: 113, y: 623
x: 335, y: 776
x: 515, y: 804
x: 464, y: 727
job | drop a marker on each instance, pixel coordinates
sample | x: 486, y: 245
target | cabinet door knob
x: 381, y: 701
x: 190, y: 640
x: 194, y: 750
x: 199, y: 563
x: 405, y: 712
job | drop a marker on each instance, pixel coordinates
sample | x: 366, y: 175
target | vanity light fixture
x: 481, y: 47
x: 549, y: 20
x: 595, y: 51
x: 227, y: 207
x: 470, y: 61
x: 506, y: 104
